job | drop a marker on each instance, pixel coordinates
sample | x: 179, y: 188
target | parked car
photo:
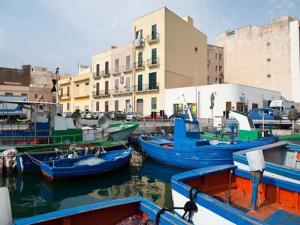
x: 134, y: 116
x: 158, y: 116
x: 268, y: 114
x: 67, y: 114
x: 97, y: 115
x: 116, y: 115
x: 88, y: 115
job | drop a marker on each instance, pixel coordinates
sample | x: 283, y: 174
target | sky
x: 64, y: 33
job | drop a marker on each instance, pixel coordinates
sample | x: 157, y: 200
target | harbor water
x: 31, y: 194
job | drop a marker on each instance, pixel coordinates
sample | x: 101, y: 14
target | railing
x: 153, y: 37
x: 153, y: 62
x: 101, y: 93
x: 147, y: 88
x: 140, y: 65
x: 127, y: 68
x: 115, y: 71
x: 139, y: 43
x: 105, y: 73
x: 122, y: 91
x: 96, y: 76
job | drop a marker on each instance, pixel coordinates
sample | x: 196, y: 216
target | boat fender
x: 5, y: 208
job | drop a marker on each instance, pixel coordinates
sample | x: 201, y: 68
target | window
x: 241, y: 107
x: 216, y: 68
x: 68, y: 91
x: 106, y: 106
x: 117, y: 65
x: 220, y: 56
x: 97, y: 69
x: 269, y: 75
x: 154, y: 32
x: 106, y: 87
x: 153, y: 103
x: 216, y: 56
x: 116, y: 105
x: 127, y: 84
x: 268, y: 44
x: 254, y: 105
x: 140, y: 59
x: 139, y: 34
x: 152, y: 81
x: 220, y: 68
x: 228, y: 106
x: 106, y: 67
x: 154, y: 56
x: 23, y: 94
x: 97, y: 88
x: 192, y: 127
x: 68, y: 106
x: 87, y: 83
x: 140, y: 82
x: 128, y: 62
x: 61, y: 91
x: 35, y: 95
x: 97, y: 106
x: 116, y: 84
x: 268, y: 59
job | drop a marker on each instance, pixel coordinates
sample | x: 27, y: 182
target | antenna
x: 188, y: 108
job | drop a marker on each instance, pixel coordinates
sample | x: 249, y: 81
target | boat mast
x: 188, y: 109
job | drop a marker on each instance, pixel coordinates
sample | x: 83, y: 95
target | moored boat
x: 86, y: 165
x: 225, y: 195
x: 187, y: 150
x: 282, y: 161
x: 118, y: 131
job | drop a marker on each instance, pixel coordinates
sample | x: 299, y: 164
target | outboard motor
x: 5, y: 208
x: 257, y: 165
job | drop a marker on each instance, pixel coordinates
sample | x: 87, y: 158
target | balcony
x: 105, y: 73
x: 139, y: 65
x: 127, y: 69
x: 115, y: 71
x: 123, y: 91
x: 153, y: 62
x: 153, y: 38
x: 96, y: 76
x: 64, y: 96
x: 101, y: 94
x: 139, y: 43
x: 82, y: 95
x: 145, y: 88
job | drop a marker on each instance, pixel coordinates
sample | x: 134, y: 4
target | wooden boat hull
x: 278, y: 201
x: 104, y: 213
x: 202, y: 156
x: 26, y: 165
x: 60, y: 169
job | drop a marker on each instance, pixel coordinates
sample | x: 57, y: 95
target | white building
x: 225, y: 97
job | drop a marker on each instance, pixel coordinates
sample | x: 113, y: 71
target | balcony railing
x: 153, y: 62
x: 147, y: 88
x: 82, y: 95
x: 122, y: 91
x: 105, y: 73
x: 153, y: 37
x: 101, y: 94
x: 127, y: 68
x: 139, y: 65
x: 64, y: 96
x: 96, y: 76
x: 139, y: 43
x: 115, y: 71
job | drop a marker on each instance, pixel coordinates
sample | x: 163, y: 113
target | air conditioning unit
x: 122, y: 79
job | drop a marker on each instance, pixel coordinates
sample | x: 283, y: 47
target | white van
x: 283, y: 106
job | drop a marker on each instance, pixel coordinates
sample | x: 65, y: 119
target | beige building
x: 112, y: 81
x: 168, y: 52
x: 265, y: 56
x: 75, y: 91
x: 32, y: 81
x: 215, y: 65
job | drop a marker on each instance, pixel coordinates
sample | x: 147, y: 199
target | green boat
x: 290, y: 137
x: 120, y: 130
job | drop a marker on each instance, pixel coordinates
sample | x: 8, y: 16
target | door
x: 152, y: 81
x: 127, y: 106
x: 228, y: 106
x: 140, y: 106
x: 154, y: 32
x: 106, y: 106
x: 140, y: 59
x: 116, y: 105
x: 154, y: 56
x: 97, y: 89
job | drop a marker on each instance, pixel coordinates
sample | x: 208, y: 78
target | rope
x: 189, y: 207
x: 34, y: 160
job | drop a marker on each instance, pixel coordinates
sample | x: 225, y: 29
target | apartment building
x: 215, y: 65
x: 75, y: 91
x: 112, y: 81
x: 168, y: 52
x: 35, y: 82
x: 265, y: 56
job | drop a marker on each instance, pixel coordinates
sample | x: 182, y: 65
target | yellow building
x: 74, y: 92
x: 169, y: 52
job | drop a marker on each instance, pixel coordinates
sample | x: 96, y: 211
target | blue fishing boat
x: 85, y: 165
x: 282, y: 161
x: 187, y: 150
x: 133, y: 210
x: 225, y: 195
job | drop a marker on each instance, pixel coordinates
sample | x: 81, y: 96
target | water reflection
x: 31, y: 194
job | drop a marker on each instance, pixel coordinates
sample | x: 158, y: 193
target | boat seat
x: 283, y: 218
